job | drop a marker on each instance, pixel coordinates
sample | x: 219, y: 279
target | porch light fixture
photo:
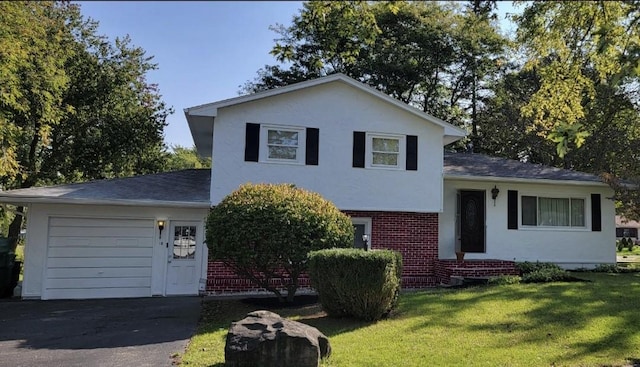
x: 365, y: 240
x: 160, y: 226
x: 494, y: 194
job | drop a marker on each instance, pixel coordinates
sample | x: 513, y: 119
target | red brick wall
x: 414, y: 235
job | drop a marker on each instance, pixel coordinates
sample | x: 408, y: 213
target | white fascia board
x: 23, y: 200
x: 211, y: 109
x: 525, y: 180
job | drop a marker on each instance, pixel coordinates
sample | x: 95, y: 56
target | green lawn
x: 556, y: 324
x: 625, y: 251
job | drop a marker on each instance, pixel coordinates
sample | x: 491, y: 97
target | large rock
x: 265, y: 339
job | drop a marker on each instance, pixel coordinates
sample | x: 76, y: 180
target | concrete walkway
x: 114, y: 333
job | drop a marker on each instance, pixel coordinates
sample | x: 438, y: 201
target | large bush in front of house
x: 264, y: 233
x: 356, y: 283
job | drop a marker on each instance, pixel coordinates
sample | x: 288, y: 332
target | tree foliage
x: 75, y: 106
x: 432, y: 55
x: 576, y: 47
x: 264, y: 232
x: 185, y: 158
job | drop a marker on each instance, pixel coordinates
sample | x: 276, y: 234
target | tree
x: 75, y: 106
x: 575, y: 47
x: 264, y: 232
x: 431, y: 55
x: 185, y: 158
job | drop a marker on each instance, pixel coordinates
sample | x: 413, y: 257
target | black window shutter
x: 412, y: 153
x: 512, y: 209
x: 252, y: 142
x: 359, y: 139
x: 311, y: 156
x: 596, y: 213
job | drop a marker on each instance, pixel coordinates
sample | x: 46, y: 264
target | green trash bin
x: 7, y: 258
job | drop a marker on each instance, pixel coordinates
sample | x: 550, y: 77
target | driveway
x: 119, y: 332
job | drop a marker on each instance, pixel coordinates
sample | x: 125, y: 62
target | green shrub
x: 546, y: 275
x: 356, y: 283
x: 620, y: 245
x: 505, y: 280
x: 630, y: 244
x: 606, y: 268
x: 529, y: 267
x: 264, y: 233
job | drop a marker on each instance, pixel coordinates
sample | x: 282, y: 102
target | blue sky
x: 205, y: 50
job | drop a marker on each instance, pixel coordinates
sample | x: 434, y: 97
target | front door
x: 183, y: 273
x: 472, y: 222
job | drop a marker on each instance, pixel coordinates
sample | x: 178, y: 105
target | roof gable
x: 201, y: 118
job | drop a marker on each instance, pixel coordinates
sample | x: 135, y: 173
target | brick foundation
x: 445, y: 269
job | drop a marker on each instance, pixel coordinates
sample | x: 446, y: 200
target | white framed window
x: 553, y: 211
x: 386, y: 151
x: 283, y: 144
x: 361, y: 226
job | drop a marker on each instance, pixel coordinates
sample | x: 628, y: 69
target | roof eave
x: 25, y: 200
x: 524, y: 180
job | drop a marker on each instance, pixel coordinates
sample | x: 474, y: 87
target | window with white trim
x: 386, y: 151
x: 282, y: 144
x: 553, y: 211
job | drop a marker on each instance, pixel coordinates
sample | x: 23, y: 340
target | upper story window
x: 391, y: 151
x: 386, y: 151
x: 282, y: 144
x: 553, y: 212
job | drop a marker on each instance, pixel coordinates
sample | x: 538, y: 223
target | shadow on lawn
x: 559, y: 311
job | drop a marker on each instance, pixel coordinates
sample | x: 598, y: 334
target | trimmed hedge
x: 356, y: 283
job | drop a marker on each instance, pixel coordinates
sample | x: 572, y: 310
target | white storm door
x: 183, y: 257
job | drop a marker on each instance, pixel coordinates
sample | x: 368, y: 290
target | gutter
x: 15, y: 200
x: 525, y: 180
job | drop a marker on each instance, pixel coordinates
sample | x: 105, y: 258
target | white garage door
x: 99, y: 258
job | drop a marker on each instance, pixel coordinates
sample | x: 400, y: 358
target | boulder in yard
x: 265, y: 339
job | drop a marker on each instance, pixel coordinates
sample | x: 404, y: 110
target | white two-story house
x: 380, y: 161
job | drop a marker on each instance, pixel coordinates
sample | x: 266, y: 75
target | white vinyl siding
x: 99, y: 258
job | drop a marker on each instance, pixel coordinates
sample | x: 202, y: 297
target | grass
x: 555, y: 324
x: 625, y: 251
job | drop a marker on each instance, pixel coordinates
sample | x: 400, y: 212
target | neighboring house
x: 379, y: 160
x: 627, y: 228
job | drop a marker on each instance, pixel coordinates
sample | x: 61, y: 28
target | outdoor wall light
x: 160, y: 226
x: 365, y: 239
x: 494, y: 194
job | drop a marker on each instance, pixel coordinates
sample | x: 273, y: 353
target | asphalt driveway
x: 119, y: 332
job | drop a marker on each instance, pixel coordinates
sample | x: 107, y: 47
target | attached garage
x: 140, y: 236
x: 99, y: 258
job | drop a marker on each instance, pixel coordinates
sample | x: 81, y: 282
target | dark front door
x: 472, y: 221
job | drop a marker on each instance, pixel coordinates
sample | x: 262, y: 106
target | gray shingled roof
x: 474, y: 164
x: 191, y: 187
x: 187, y: 186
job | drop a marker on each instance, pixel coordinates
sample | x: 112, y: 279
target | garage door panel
x: 100, y: 222
x: 97, y: 231
x: 88, y: 252
x: 99, y: 272
x: 99, y: 258
x: 86, y: 293
x: 99, y: 242
x: 107, y: 262
x: 76, y: 283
